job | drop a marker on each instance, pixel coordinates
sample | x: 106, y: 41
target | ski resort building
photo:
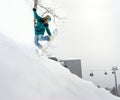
x: 74, y: 65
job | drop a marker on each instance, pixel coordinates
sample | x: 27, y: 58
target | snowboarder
x: 40, y: 28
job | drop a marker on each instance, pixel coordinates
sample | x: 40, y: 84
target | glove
x: 34, y: 9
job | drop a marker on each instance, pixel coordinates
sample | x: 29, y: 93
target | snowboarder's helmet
x: 48, y: 17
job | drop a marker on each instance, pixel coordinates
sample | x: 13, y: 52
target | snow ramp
x: 38, y: 78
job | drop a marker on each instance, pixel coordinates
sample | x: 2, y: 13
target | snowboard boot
x: 43, y: 49
x: 51, y: 39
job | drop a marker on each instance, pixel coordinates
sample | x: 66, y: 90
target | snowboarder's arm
x: 35, y: 14
x: 48, y: 30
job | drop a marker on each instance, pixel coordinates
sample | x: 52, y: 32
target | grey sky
x: 92, y: 31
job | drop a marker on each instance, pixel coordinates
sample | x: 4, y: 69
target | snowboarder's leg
x: 44, y: 38
x: 36, y: 39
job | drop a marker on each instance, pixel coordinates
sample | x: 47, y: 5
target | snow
x: 30, y: 77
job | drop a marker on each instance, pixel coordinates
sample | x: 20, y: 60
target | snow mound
x: 38, y: 78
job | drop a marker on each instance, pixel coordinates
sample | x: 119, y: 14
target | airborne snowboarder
x: 40, y: 27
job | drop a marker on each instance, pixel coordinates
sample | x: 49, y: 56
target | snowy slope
x: 23, y: 77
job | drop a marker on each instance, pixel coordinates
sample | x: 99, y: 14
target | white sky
x: 91, y: 31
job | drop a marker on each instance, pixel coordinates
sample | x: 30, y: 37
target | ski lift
x: 91, y: 74
x: 113, y: 72
x: 105, y: 73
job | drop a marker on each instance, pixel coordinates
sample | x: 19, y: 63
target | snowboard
x: 50, y: 42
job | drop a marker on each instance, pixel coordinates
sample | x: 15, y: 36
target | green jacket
x: 41, y: 26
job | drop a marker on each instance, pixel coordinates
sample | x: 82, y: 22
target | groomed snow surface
x: 24, y: 77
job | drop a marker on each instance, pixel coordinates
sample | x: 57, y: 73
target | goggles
x: 49, y: 19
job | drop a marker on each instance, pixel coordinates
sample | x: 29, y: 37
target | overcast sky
x: 91, y: 31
